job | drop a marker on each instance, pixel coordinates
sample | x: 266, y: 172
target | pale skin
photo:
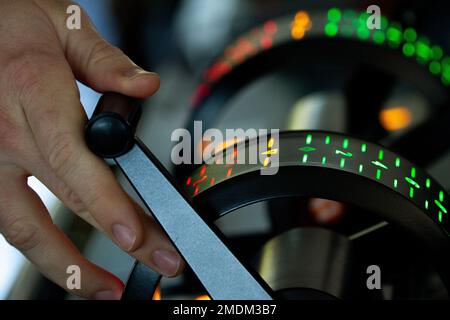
x: 41, y: 134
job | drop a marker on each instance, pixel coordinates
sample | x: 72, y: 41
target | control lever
x: 111, y: 134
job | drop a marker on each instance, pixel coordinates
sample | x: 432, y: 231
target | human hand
x: 41, y: 134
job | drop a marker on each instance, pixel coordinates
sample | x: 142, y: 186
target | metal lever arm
x: 221, y: 273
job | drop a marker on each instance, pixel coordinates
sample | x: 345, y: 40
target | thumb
x: 103, y: 66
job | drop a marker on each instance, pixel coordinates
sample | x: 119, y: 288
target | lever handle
x: 111, y: 130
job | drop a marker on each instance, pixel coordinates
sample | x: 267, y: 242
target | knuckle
x: 102, y: 51
x: 11, y: 136
x: 74, y: 201
x: 93, y: 201
x: 21, y: 234
x: 24, y: 73
x: 62, y: 154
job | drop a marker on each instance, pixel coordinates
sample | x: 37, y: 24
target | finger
x: 164, y: 258
x: 96, y: 62
x: 56, y: 118
x: 155, y: 250
x: 26, y: 224
x: 105, y: 68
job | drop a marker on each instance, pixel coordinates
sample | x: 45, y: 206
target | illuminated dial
x: 336, y: 23
x: 342, y: 153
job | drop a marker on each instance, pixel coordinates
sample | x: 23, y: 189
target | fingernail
x: 138, y: 72
x: 107, y: 295
x: 167, y: 262
x: 125, y: 236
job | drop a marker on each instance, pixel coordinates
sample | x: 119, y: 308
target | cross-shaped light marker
x: 412, y: 182
x: 269, y: 152
x: 345, y: 154
x: 380, y: 164
x: 440, y: 205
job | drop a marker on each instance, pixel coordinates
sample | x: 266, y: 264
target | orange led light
x: 393, y: 119
x: 203, y: 297
x: 157, y: 294
x: 301, y: 24
x: 219, y: 148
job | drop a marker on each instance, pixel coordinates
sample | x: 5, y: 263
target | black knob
x: 111, y: 130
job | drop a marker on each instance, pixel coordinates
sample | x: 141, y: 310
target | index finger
x: 57, y: 119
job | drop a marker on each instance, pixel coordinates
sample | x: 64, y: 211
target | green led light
x: 441, y: 196
x: 307, y: 149
x: 446, y: 64
x: 331, y: 29
x: 380, y: 155
x: 345, y: 144
x: 394, y: 35
x: 308, y: 139
x: 395, y: 183
x: 334, y: 14
x: 342, y: 163
x: 360, y: 168
x: 324, y: 160
x: 413, y: 172
x: 446, y: 71
x: 443, y: 209
x: 346, y: 154
x: 408, y: 49
x: 347, y: 30
x: 378, y: 174
x: 428, y: 183
x: 423, y: 51
x: 426, y: 204
x: 305, y: 158
x: 445, y: 79
x: 435, y: 67
x: 440, y: 216
x: 356, y: 23
x: 363, y: 17
x: 397, y: 162
x: 410, y: 35
x: 437, y: 52
x: 327, y: 140
x: 412, y: 182
x: 379, y: 37
x: 379, y: 164
x: 363, y: 33
x: 363, y: 147
x: 349, y: 14
x: 411, y: 192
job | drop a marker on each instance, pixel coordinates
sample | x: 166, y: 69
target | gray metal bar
x: 220, y: 272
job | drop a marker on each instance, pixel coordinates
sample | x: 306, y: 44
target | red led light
x: 200, y: 180
x: 200, y: 93
x: 203, y: 170
x: 188, y: 182
x: 218, y: 70
x: 240, y: 51
x: 266, y: 42
x: 197, y: 189
x: 229, y: 172
x: 213, y: 180
x: 270, y: 27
